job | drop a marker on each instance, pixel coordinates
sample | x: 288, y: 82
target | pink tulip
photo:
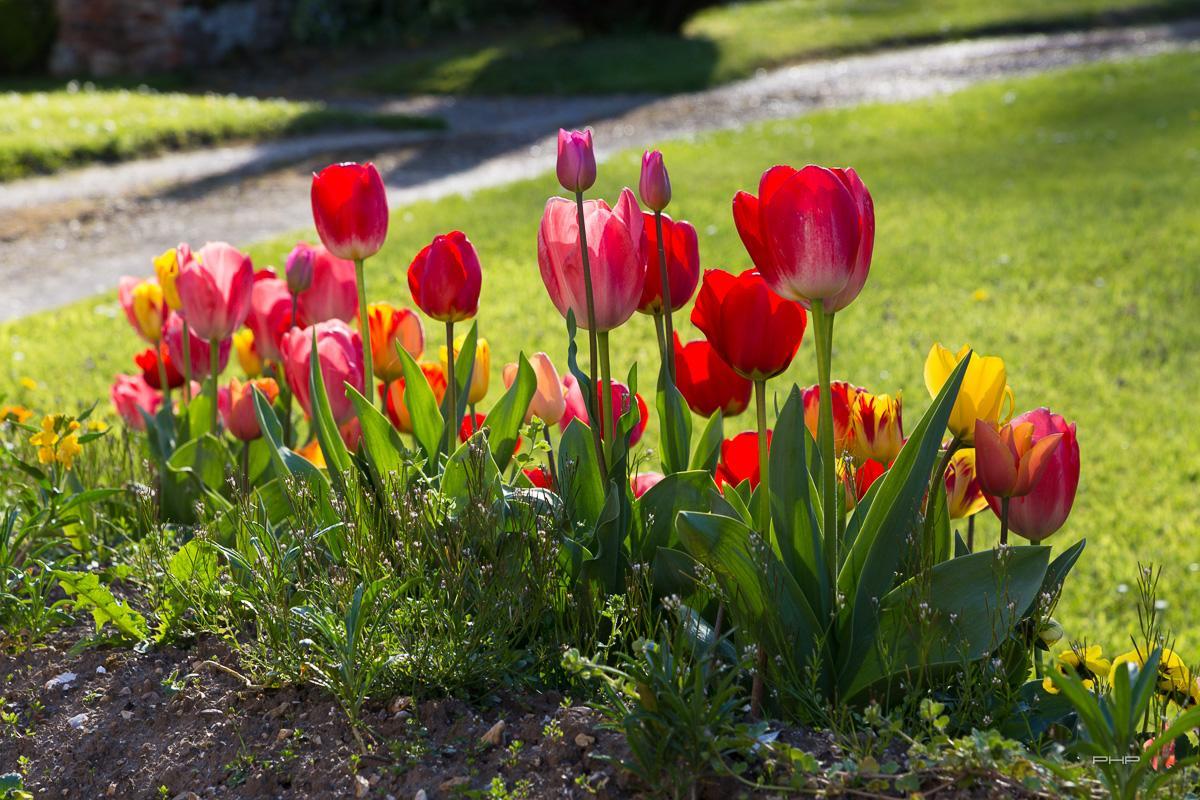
x: 131, y: 395
x: 299, y: 268
x: 655, y: 184
x: 575, y: 408
x: 445, y: 278
x: 333, y: 292
x: 236, y: 402
x: 548, y: 403
x: 683, y: 263
x: 350, y: 209
x: 1045, y: 508
x: 644, y: 482
x: 339, y: 352
x: 810, y: 232
x: 198, y: 349
x: 576, y: 166
x: 615, y: 245
x: 214, y: 290
x: 270, y: 317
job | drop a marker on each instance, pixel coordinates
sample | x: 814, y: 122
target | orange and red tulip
x: 391, y: 327
x: 1010, y: 461
x: 878, y: 427
x: 397, y: 410
x: 1045, y: 507
x: 964, y: 498
x: 844, y: 396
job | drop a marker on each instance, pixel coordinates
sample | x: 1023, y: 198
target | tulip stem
x: 1004, y: 521
x: 662, y: 342
x: 187, y: 363
x: 364, y: 329
x: 451, y: 391
x: 971, y: 533
x: 590, y: 401
x: 471, y: 406
x: 163, y: 384
x: 214, y: 356
x: 823, y: 330
x: 609, y: 424
x: 550, y: 457
x: 668, y: 332
x: 764, y: 461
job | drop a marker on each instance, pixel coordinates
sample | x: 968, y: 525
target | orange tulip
x: 391, y: 326
x: 1008, y: 462
x: 397, y: 410
x: 548, y: 402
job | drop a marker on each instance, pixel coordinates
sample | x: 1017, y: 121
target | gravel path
x: 69, y: 236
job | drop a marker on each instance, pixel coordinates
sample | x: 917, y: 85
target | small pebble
x: 361, y: 786
x: 583, y: 740
x: 77, y: 721
x: 495, y: 735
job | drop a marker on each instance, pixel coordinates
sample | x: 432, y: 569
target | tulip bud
x: 655, y: 184
x: 1050, y: 633
x: 300, y: 267
x: 576, y: 160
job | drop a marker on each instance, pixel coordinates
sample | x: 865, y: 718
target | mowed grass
x: 46, y: 131
x: 1052, y: 221
x: 727, y: 42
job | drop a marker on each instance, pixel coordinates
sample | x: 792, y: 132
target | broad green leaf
x: 337, y: 459
x: 464, y: 366
x: 708, y: 448
x: 206, y: 458
x: 870, y: 568
x: 675, y: 424
x: 936, y: 535
x: 958, y: 612
x: 1057, y: 572
x: 607, y: 566
x: 287, y: 462
x: 381, y: 441
x: 471, y: 474
x: 88, y: 593
x: 658, y: 507
x: 199, y: 415
x: 506, y: 417
x: 795, y: 531
x: 427, y: 420
x: 579, y: 473
x: 673, y: 573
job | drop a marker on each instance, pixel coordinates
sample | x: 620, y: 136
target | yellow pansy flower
x: 1088, y: 663
x: 1174, y: 678
x: 16, y: 413
x: 984, y: 393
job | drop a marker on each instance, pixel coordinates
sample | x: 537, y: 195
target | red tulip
x: 858, y: 482
x: 299, y: 267
x: 576, y: 166
x: 753, y: 329
x: 644, y: 482
x: 350, y: 209
x: 615, y: 244
x: 214, y: 290
x: 333, y: 292
x: 351, y: 433
x: 540, y: 477
x: 577, y: 409
x: 147, y: 362
x: 1009, y: 463
x: 739, y: 460
x: 236, y: 402
x: 1045, y: 508
x: 131, y: 395
x: 445, y: 278
x: 683, y: 263
x: 270, y: 317
x: 199, y: 349
x: 810, y: 232
x: 844, y: 397
x: 339, y: 353
x: 655, y: 184
x: 707, y: 383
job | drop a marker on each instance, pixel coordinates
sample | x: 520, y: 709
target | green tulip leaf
x: 708, y: 447
x: 659, y: 506
x: 427, y: 419
x: 381, y: 442
x: 337, y: 458
x: 581, y: 484
x: 506, y: 417
x: 464, y: 367
x: 675, y: 424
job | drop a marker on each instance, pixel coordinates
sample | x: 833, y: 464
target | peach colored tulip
x: 548, y: 402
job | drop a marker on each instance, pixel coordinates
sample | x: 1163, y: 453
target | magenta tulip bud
x: 300, y: 267
x: 576, y: 160
x: 655, y: 185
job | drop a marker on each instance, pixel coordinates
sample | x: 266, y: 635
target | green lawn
x: 729, y: 42
x: 45, y: 131
x: 1067, y: 202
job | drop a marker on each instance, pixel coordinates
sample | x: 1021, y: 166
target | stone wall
x: 138, y: 37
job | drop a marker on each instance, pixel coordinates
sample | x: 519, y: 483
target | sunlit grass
x: 1051, y: 221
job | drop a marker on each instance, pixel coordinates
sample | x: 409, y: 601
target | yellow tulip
x: 878, y: 427
x: 480, y: 371
x: 984, y: 394
x: 166, y: 267
x: 247, y: 353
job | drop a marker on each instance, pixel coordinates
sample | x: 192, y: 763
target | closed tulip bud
x: 215, y: 290
x: 1050, y: 634
x: 983, y: 395
x: 615, y: 253
x: 575, y: 408
x: 753, y: 329
x: 1045, y: 507
x: 445, y: 278
x: 236, y: 402
x: 144, y: 306
x: 350, y: 210
x: 247, y: 354
x: 166, y: 267
x: 964, y: 498
x: 397, y: 409
x: 392, y: 327
x: 682, y: 254
x: 576, y: 166
x: 844, y: 396
x: 481, y: 370
x: 299, y: 267
x: 707, y: 383
x: 739, y: 460
x: 339, y: 356
x: 644, y: 482
x: 655, y: 184
x: 1009, y: 462
x: 333, y: 292
x: 199, y: 349
x: 130, y: 396
x: 548, y: 402
x: 810, y: 232
x: 878, y: 428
